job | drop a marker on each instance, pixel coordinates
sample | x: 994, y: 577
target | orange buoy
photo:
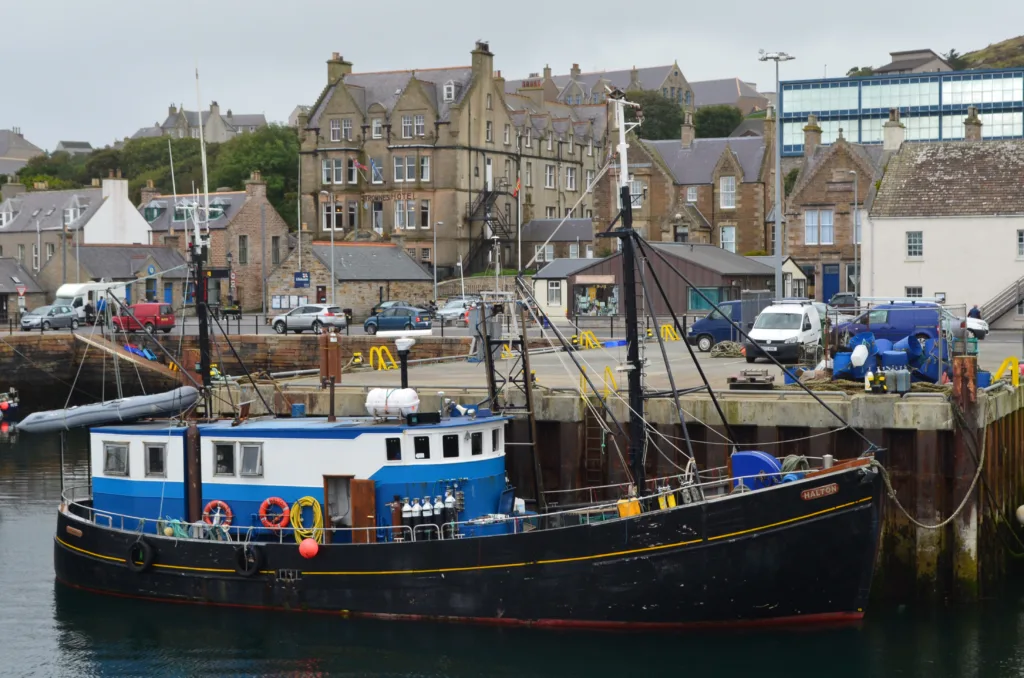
x: 217, y: 508
x: 274, y: 520
x: 308, y: 548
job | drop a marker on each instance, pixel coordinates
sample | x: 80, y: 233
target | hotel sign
x: 386, y: 197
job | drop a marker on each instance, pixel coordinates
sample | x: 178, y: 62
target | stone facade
x: 380, y: 149
x: 242, y: 237
x: 359, y: 296
x: 678, y: 190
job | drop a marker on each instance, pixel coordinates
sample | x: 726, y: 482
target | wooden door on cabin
x: 364, y: 510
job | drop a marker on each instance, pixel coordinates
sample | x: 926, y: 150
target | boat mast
x: 198, y: 255
x: 637, y: 425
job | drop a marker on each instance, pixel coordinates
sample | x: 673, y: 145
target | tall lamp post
x: 433, y: 259
x: 856, y: 232
x: 462, y: 280
x: 231, y: 280
x: 777, y: 57
x: 327, y: 196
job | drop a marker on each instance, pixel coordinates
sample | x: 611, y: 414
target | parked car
x: 314, y: 317
x: 149, y: 316
x: 452, y: 310
x: 897, y: 320
x: 388, y: 304
x: 398, y: 318
x: 714, y: 327
x: 843, y: 300
x: 49, y: 317
x: 783, y: 330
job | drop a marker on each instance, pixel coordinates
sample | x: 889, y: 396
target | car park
x: 398, y: 318
x: 313, y: 317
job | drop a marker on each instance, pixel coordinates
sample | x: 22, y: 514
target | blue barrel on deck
x: 894, y: 360
x: 841, y: 365
x: 984, y: 379
x: 883, y: 345
x: 298, y: 410
x: 912, y: 346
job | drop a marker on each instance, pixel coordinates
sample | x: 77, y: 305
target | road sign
x: 21, y: 290
x: 232, y: 276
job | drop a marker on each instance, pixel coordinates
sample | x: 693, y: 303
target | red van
x: 148, y: 316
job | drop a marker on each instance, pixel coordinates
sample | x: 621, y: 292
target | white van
x: 76, y: 295
x: 783, y: 330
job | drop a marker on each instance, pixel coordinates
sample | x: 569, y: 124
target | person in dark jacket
x: 974, y: 312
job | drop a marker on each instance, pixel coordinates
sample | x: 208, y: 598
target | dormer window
x: 449, y: 91
x: 6, y: 217
x: 377, y: 128
x: 529, y: 137
x: 551, y: 141
x: 572, y: 144
x: 71, y: 215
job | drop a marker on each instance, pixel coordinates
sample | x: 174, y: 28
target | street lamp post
x: 433, y: 261
x: 327, y: 196
x: 462, y: 280
x: 777, y: 57
x: 856, y: 232
x: 231, y: 281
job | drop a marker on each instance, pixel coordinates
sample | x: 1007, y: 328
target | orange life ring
x: 224, y: 508
x: 275, y: 521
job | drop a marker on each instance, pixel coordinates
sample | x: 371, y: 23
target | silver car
x: 49, y: 317
x: 314, y: 317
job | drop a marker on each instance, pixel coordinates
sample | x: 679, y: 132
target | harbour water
x: 48, y: 630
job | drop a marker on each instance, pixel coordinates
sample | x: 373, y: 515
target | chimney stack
x: 255, y: 187
x: 574, y: 72
x: 687, y: 133
x: 172, y: 110
x: 149, y: 192
x: 892, y: 131
x: 768, y: 131
x: 337, y: 68
x: 812, y: 135
x: 972, y: 125
x: 547, y: 72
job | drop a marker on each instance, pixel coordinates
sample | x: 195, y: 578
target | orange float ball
x: 308, y: 548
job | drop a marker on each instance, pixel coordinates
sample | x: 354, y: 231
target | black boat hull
x: 799, y: 552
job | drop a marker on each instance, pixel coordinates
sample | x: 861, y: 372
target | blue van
x: 896, y: 321
x: 713, y: 327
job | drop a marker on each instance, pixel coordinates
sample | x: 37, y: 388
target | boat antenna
x: 634, y: 366
x: 174, y: 186
x: 198, y: 255
x: 202, y: 150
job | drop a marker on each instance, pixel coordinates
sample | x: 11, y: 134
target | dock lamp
x: 404, y: 344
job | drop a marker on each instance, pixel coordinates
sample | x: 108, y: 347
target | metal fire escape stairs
x: 494, y: 224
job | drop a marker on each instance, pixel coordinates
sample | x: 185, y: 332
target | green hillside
x: 1005, y: 54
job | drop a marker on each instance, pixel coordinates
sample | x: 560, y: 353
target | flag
x: 515, y: 193
x: 361, y: 166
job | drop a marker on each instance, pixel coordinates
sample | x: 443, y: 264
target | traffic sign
x: 21, y: 290
x: 232, y: 276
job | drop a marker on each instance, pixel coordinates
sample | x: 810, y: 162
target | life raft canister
x: 274, y: 520
x: 225, y: 512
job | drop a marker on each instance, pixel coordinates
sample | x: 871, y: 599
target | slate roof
x: 246, y: 119
x: 47, y: 207
x: 953, y: 179
x: 696, y: 164
x: 873, y: 155
x: 908, y: 64
x: 563, y: 268
x: 696, y: 215
x: 145, y: 132
x: 231, y: 202
x: 126, y: 262
x: 572, y: 230
x: 387, y: 87
x: 717, y: 92
x: 749, y: 127
x: 370, y: 261
x: 715, y: 258
x: 16, y: 146
x: 235, y: 119
x: 11, y: 269
x: 76, y: 145
x: 650, y: 77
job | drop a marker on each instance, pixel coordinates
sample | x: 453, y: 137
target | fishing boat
x: 406, y: 513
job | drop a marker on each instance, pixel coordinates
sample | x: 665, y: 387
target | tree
x: 860, y: 72
x: 713, y: 122
x: 663, y: 118
x: 273, y: 151
x: 60, y: 168
x: 956, y: 60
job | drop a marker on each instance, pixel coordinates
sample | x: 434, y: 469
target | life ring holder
x: 225, y: 512
x: 248, y: 560
x: 139, y: 557
x: 271, y: 521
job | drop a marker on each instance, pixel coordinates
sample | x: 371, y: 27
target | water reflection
x: 50, y: 630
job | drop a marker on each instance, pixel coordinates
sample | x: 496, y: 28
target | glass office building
x: 932, y: 106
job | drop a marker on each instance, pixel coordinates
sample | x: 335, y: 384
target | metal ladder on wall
x: 594, y: 445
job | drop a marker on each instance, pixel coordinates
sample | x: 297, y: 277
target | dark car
x: 896, y: 321
x: 398, y: 318
x: 843, y: 300
x: 388, y: 304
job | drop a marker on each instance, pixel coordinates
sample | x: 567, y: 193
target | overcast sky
x: 99, y: 70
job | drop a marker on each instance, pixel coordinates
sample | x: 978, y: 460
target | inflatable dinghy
x: 112, y: 412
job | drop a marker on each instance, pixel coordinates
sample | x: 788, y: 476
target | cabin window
x: 224, y: 459
x: 421, y: 447
x: 477, y: 440
x: 156, y: 461
x: 450, y: 446
x: 252, y: 460
x: 115, y: 459
x: 495, y: 439
x: 394, y: 448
